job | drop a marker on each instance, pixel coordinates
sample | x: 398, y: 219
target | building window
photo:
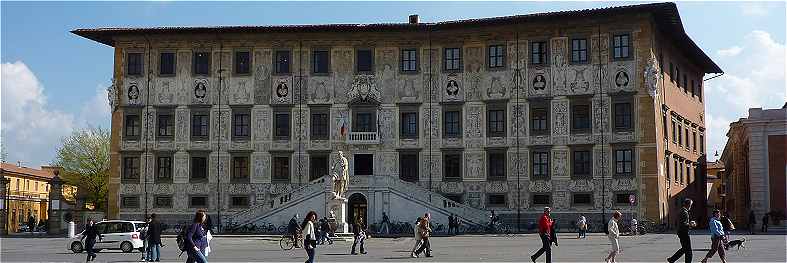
x: 166, y: 125
x: 540, y: 161
x: 409, y: 60
x: 242, y: 62
x: 671, y: 72
x: 408, y: 166
x: 688, y: 173
x: 131, y: 169
x: 621, y: 46
x: 674, y: 131
x: 579, y: 50
x: 580, y: 118
x: 199, y: 168
x: 541, y: 199
x: 318, y: 166
x: 321, y: 61
x: 129, y: 202
x: 682, y: 175
x: 676, y: 172
x: 496, y: 123
x: 162, y: 202
x: 452, y: 123
x: 319, y: 125
x: 496, y: 200
x: 497, y: 55
x: 680, y: 134
x: 452, y: 167
x: 200, y: 121
x: 281, y: 124
x: 686, y: 130
x: 239, y: 201
x: 677, y: 76
x: 699, y: 90
x: 539, y: 120
x: 409, y: 125
x: 134, y: 64
x: 693, y: 88
x: 582, y: 163
x: 281, y: 62
x: 685, y: 84
x: 538, y: 53
x: 363, y: 164
x: 241, y: 121
x: 364, y: 121
x: 624, y: 162
x: 166, y: 66
x: 364, y: 61
x: 669, y: 171
x: 132, y: 126
x: 497, y: 166
x: 581, y: 199
x: 623, y: 116
x: 164, y: 169
x: 452, y: 58
x: 199, y: 201
x: 702, y: 143
x: 664, y: 124
x: 281, y: 169
x: 240, y: 168
x: 623, y: 199
x: 201, y: 63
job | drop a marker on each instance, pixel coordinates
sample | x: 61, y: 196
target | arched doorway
x: 357, y: 208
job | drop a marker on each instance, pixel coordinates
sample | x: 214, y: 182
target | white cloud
x: 96, y: 111
x: 754, y: 9
x: 754, y: 79
x: 32, y: 128
x: 729, y: 52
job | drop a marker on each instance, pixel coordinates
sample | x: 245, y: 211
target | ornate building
x: 459, y: 117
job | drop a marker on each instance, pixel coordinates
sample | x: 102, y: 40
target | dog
x: 736, y: 243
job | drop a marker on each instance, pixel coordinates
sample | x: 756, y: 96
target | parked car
x: 113, y: 234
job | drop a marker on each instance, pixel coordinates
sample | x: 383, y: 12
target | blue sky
x: 54, y: 81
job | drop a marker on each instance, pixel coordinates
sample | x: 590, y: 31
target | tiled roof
x: 665, y: 14
x: 25, y: 171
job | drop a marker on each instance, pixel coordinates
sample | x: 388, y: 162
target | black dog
x: 736, y: 243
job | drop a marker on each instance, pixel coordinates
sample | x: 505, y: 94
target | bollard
x: 71, y: 229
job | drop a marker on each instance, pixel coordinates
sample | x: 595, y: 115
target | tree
x: 84, y: 158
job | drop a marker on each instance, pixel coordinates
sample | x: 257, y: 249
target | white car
x: 113, y: 234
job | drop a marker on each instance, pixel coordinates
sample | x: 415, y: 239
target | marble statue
x: 340, y: 178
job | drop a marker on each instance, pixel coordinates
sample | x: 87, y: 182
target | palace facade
x: 584, y: 111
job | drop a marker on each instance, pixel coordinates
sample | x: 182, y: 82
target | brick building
x: 585, y: 111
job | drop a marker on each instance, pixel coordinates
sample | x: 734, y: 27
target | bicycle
x: 288, y: 242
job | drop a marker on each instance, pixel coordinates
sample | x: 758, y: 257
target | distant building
x: 755, y: 161
x: 714, y: 194
x: 28, y: 193
x: 584, y: 111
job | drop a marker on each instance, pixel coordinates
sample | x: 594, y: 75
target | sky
x: 54, y: 82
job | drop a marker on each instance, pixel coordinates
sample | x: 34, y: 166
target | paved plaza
x: 647, y: 248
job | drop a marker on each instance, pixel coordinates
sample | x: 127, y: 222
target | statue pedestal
x: 339, y: 208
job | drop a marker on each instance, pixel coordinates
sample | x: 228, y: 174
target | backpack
x: 181, y: 239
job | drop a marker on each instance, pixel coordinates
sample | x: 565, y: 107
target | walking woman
x: 717, y: 238
x: 417, y: 237
x: 426, y: 231
x: 89, y: 235
x: 614, y: 234
x: 309, y: 235
x: 196, y: 239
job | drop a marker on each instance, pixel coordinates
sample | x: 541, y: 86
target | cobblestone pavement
x: 647, y: 248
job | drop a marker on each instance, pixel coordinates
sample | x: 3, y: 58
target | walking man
x: 582, y: 224
x: 683, y: 233
x: 154, y: 238
x: 384, y: 224
x: 634, y: 229
x: 752, y: 222
x: 417, y: 237
x: 614, y: 234
x: 717, y: 237
x: 451, y: 224
x: 764, y: 223
x: 31, y: 222
x: 426, y: 231
x: 89, y: 235
x: 359, y: 235
x: 545, y: 232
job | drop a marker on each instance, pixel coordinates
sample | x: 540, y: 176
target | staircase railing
x: 417, y: 192
x: 276, y: 201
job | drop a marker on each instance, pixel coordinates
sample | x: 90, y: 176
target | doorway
x: 358, y: 207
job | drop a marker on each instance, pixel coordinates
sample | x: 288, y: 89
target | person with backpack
x: 196, y: 239
x: 89, y: 235
x: 309, y: 235
x: 154, y: 238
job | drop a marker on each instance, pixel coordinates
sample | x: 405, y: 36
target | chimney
x: 413, y: 19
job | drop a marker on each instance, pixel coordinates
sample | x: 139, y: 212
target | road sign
x: 632, y: 199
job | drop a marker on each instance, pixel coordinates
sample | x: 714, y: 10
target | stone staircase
x: 436, y: 201
x: 278, y: 202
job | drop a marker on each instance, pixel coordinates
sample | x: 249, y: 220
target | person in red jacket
x: 545, y: 231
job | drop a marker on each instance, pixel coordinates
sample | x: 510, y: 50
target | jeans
x: 384, y: 225
x: 359, y: 239
x: 196, y: 256
x: 310, y: 246
x: 89, y: 248
x: 154, y: 251
x: 546, y: 246
x: 685, y: 247
x: 425, y: 247
x: 581, y: 233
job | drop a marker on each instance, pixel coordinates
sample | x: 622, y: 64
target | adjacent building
x: 585, y: 111
x: 27, y: 194
x: 755, y: 161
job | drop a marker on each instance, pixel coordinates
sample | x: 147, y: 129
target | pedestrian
x: 325, y: 228
x: 196, y: 239
x: 89, y: 235
x: 359, y: 235
x: 752, y: 222
x: 717, y: 237
x: 143, y: 234
x: 31, y: 222
x: 154, y: 238
x: 450, y: 223
x: 417, y: 237
x: 764, y: 223
x: 683, y: 233
x: 544, y: 231
x: 384, y: 224
x: 426, y: 231
x: 582, y: 224
x: 493, y: 219
x: 634, y: 228
x: 309, y: 235
x: 614, y: 234
x: 293, y: 229
x: 553, y: 232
